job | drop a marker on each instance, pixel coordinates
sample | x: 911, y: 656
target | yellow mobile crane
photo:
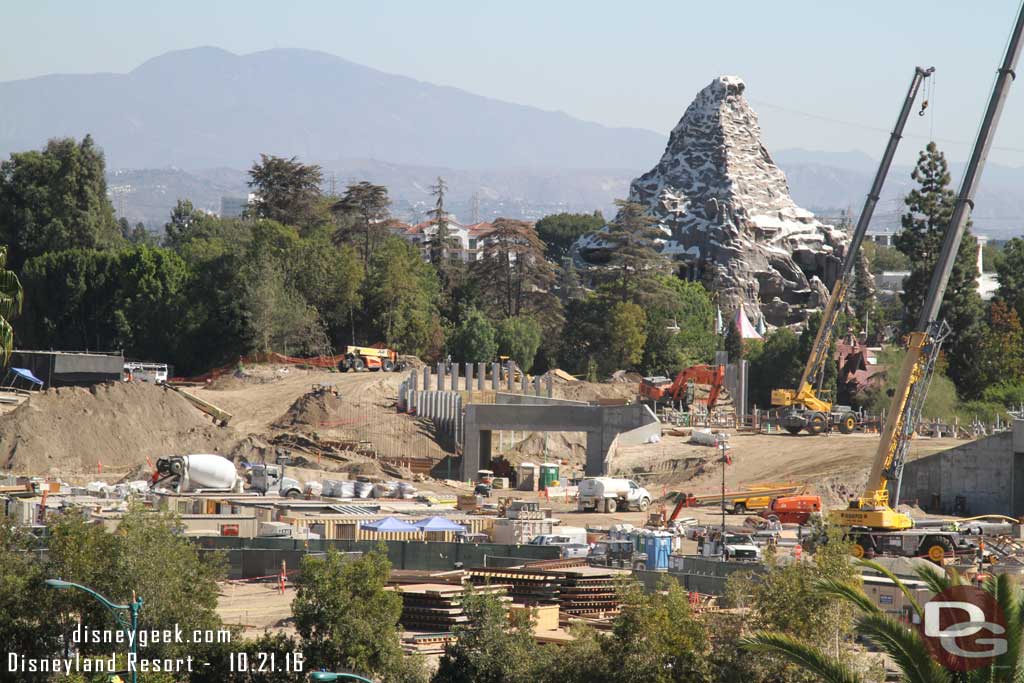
x: 873, y: 523
x: 806, y: 408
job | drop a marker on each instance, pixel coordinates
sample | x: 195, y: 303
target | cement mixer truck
x: 198, y: 473
x: 208, y: 473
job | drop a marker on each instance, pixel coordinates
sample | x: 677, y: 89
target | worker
x: 798, y: 552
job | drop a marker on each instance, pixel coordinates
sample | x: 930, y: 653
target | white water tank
x: 208, y: 471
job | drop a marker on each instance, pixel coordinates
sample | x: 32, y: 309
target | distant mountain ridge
x: 206, y: 107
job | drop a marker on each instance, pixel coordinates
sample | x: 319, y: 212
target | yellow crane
x: 871, y: 518
x: 806, y: 407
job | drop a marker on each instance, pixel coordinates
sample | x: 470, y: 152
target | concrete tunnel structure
x: 606, y: 427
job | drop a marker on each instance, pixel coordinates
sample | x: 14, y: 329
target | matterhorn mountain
x: 727, y: 215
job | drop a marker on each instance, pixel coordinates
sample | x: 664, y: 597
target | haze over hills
x: 188, y: 124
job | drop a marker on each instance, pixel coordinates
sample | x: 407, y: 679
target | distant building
x: 884, y: 236
x: 234, y: 207
x: 471, y: 239
x: 67, y: 368
x: 890, y: 282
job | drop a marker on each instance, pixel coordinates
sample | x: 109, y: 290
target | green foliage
x: 27, y: 627
x: 929, y: 208
x: 519, y: 338
x: 775, y: 363
x: 401, y: 296
x: 734, y: 343
x: 627, y: 334
x: 941, y: 401
x: 862, y: 292
x: 634, y: 257
x: 362, y: 215
x: 830, y: 369
x: 55, y: 199
x: 346, y: 619
x: 560, y: 230
x: 881, y: 258
x: 492, y: 647
x: 287, y: 191
x: 1009, y: 395
x: 473, y: 340
x: 1009, y: 269
x: 12, y: 297
x: 1000, y: 357
x: 675, y: 303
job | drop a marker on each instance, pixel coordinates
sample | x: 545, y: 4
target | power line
x: 866, y: 126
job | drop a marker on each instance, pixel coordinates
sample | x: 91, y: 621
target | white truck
x: 737, y: 547
x: 571, y: 544
x: 270, y: 480
x: 608, y: 494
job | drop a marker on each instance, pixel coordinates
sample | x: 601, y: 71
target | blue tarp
x: 389, y: 524
x: 27, y: 374
x: 438, y: 524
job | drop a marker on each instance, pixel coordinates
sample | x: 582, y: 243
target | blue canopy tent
x: 388, y: 524
x: 439, y: 524
x: 24, y: 375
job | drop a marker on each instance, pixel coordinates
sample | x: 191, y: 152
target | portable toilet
x: 548, y: 474
x: 528, y: 476
x: 658, y: 547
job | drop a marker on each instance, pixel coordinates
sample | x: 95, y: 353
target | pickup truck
x: 570, y: 546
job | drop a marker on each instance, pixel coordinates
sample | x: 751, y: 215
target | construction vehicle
x: 220, y: 417
x: 619, y: 554
x: 662, y: 390
x: 738, y: 502
x: 360, y: 358
x: 608, y: 494
x: 732, y: 546
x: 792, y: 509
x: 871, y: 520
x: 197, y: 473
x: 269, y: 480
x: 808, y: 407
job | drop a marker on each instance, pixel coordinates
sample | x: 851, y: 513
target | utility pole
x: 722, y: 446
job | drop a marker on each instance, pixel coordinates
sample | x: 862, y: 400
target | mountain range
x: 188, y: 123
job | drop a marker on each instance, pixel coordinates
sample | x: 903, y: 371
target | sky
x: 823, y: 75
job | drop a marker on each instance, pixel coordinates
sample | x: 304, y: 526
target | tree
x: 1010, y: 275
x: 929, y: 208
x: 513, y: 275
x: 881, y: 258
x: 330, y: 279
x: 28, y: 627
x: 775, y: 363
x: 862, y: 291
x: 55, y: 199
x: 11, y: 298
x: 279, y: 318
x: 905, y: 646
x: 492, y: 647
x: 1001, y: 354
x: 287, y: 191
x: 634, y: 258
x: 519, y: 338
x: 733, y: 342
x: 401, y: 295
x: 569, y: 286
x: 345, y: 617
x: 680, y: 325
x: 626, y: 334
x: 473, y: 340
x: 443, y: 240
x: 560, y: 231
x: 364, y: 212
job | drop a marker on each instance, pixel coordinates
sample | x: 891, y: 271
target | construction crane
x: 806, y: 408
x: 874, y: 524
x: 663, y: 390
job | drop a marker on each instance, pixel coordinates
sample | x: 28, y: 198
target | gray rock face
x: 725, y: 209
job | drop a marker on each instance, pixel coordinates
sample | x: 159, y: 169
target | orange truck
x: 792, y: 509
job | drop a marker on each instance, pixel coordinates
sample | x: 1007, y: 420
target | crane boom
x: 819, y: 351
x: 805, y: 397
x: 873, y: 508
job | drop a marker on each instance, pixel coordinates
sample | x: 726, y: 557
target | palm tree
x: 903, y: 644
x: 11, y: 297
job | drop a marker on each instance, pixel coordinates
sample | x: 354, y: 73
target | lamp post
x: 131, y: 627
x: 332, y: 676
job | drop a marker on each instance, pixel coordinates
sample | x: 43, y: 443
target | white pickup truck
x: 608, y: 494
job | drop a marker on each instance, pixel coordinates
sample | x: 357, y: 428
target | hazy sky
x: 822, y: 74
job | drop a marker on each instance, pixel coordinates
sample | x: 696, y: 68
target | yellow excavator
x: 871, y: 519
x: 807, y: 407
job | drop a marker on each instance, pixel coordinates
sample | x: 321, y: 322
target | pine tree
x: 569, y: 287
x: 634, y: 256
x: 442, y: 241
x: 364, y: 213
x: 929, y: 208
x: 1010, y: 274
x: 862, y: 290
x: 734, y: 343
x: 1001, y: 354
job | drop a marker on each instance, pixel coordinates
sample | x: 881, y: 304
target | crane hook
x: 924, y: 105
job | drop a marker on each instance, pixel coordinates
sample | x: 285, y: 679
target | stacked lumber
x: 437, y: 606
x: 577, y: 591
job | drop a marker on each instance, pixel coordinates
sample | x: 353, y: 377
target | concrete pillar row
x: 481, y: 372
x: 426, y: 379
x: 495, y: 377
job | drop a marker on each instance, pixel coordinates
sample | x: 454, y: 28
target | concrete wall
x: 988, y: 474
x: 601, y: 424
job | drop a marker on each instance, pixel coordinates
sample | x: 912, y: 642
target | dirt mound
x: 72, y: 429
x: 239, y: 379
x: 544, y: 446
x: 311, y: 411
x: 589, y: 391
